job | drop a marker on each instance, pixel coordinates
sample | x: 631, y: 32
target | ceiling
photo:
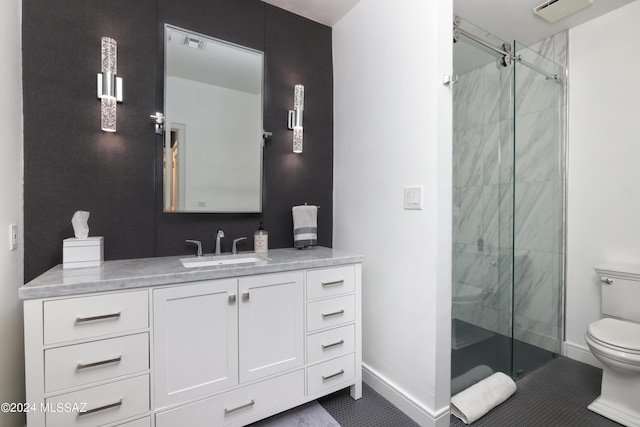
x: 514, y: 19
x: 507, y: 19
x: 327, y: 12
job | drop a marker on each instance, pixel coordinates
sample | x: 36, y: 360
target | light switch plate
x: 13, y: 237
x: 413, y: 198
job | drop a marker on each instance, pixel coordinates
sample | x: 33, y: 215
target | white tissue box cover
x: 79, y: 253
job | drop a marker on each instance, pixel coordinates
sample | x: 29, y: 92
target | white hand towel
x: 470, y: 378
x: 305, y: 226
x: 471, y: 404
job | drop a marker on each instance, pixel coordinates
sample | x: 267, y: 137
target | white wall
x: 392, y: 128
x: 11, y: 264
x: 603, y: 217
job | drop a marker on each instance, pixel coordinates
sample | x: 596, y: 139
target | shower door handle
x: 606, y: 280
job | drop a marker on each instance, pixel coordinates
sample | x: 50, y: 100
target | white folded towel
x: 305, y: 226
x: 470, y: 378
x: 471, y: 404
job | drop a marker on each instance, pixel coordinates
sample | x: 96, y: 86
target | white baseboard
x: 403, y: 401
x: 580, y: 353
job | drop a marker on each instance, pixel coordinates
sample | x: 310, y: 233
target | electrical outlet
x: 13, y: 237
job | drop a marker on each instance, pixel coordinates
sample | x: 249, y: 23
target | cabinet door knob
x: 245, y: 296
x: 232, y: 299
x: 606, y: 280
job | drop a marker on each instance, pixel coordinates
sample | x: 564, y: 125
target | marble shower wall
x: 483, y: 181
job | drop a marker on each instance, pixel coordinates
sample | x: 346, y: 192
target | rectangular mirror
x: 213, y: 124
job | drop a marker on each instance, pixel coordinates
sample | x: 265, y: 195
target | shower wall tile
x: 467, y: 269
x: 560, y: 48
x: 533, y: 293
x: 497, y: 95
x: 467, y: 222
x: 534, y: 217
x: 468, y: 100
x: 545, y: 48
x: 467, y: 157
x: 490, y: 228
x: 498, y: 153
x: 537, y: 150
x: 533, y: 91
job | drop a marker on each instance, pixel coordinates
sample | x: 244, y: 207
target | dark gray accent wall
x: 70, y: 164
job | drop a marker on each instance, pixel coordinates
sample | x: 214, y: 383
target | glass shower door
x: 538, y: 227
x: 483, y: 205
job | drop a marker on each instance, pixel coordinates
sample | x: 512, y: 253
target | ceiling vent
x: 555, y: 10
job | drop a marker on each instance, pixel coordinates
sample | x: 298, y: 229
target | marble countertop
x: 144, y: 272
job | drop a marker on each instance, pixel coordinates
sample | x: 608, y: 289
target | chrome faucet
x: 198, y: 244
x: 219, y: 235
x: 234, y: 247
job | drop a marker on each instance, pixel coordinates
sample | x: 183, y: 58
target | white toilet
x: 615, y: 341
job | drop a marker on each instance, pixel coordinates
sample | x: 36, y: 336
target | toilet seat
x: 616, y: 334
x: 467, y: 293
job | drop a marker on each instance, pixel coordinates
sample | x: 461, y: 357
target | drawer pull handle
x: 100, y: 408
x: 101, y: 317
x: 335, y: 283
x: 335, y: 344
x: 239, y: 408
x: 102, y: 362
x: 335, y: 313
x: 337, y: 374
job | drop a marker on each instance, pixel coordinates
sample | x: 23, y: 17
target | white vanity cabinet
x: 195, y: 340
x: 271, y: 324
x: 87, y: 359
x: 220, y: 350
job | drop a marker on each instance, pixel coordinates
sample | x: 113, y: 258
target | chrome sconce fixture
x: 109, y: 85
x: 295, y: 118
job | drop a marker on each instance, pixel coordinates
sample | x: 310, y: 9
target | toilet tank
x: 620, y: 290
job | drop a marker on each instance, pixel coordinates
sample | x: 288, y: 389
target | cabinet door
x: 271, y: 324
x: 195, y: 340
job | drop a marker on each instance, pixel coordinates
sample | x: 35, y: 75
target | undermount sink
x: 212, y: 260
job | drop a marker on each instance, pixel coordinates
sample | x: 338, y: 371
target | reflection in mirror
x: 213, y: 128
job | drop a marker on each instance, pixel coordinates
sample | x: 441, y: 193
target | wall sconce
x: 295, y: 118
x: 109, y: 85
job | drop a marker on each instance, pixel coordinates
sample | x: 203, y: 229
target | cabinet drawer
x: 330, y: 374
x: 104, y: 404
x: 233, y: 407
x: 86, y: 317
x: 330, y: 281
x: 85, y: 363
x: 331, y: 343
x: 142, y: 422
x: 330, y: 312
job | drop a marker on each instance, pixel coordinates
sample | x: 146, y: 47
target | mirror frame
x: 167, y: 125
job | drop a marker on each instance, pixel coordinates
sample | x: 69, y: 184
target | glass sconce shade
x: 108, y: 113
x: 295, y: 118
x: 297, y: 140
x: 298, y: 98
x: 109, y: 86
x: 109, y: 55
